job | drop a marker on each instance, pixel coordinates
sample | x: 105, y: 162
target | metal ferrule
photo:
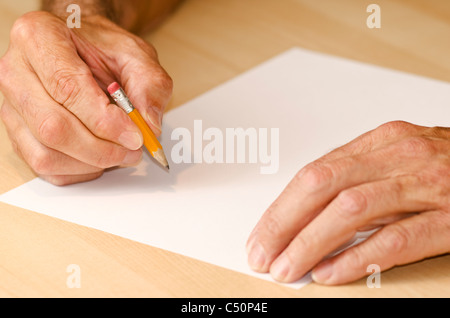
x: 122, y: 101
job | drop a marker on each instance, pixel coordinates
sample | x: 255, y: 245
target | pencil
x: 150, y: 141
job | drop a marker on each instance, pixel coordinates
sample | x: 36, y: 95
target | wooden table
x: 203, y: 44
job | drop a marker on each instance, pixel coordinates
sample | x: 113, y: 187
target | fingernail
x: 249, y: 245
x: 280, y: 268
x: 256, y: 257
x: 131, y: 140
x: 160, y: 117
x: 132, y: 158
x: 323, y: 272
x: 156, y: 119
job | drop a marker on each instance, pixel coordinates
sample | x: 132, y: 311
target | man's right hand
x: 56, y: 111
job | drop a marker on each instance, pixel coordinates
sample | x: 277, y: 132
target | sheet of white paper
x: 206, y: 211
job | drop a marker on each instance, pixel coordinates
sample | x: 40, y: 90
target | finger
x: 303, y: 198
x: 147, y: 84
x: 57, y: 128
x: 352, y: 209
x: 71, y: 179
x: 318, y: 184
x: 135, y: 66
x: 69, y: 81
x: 406, y: 241
x: 372, y: 140
x: 43, y: 160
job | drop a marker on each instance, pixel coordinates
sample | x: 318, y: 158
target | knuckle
x: 396, y: 239
x: 436, y: 176
x: 25, y: 27
x: 418, y: 145
x: 354, y: 258
x: 351, y: 203
x: 273, y: 226
x: 63, y: 86
x: 315, y: 177
x: 112, y: 156
x: 41, y: 162
x: 166, y: 82
x: 102, y: 127
x: 52, y: 130
x: 131, y: 42
x: 301, y: 244
x: 394, y: 128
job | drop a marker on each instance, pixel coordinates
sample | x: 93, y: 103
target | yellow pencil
x: 150, y: 141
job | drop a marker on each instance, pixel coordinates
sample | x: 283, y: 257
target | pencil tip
x: 161, y: 158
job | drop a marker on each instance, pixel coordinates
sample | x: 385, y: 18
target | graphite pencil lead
x: 161, y: 158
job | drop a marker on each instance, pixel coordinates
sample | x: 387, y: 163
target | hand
x: 396, y: 176
x: 56, y: 111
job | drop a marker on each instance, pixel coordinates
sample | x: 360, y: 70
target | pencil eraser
x: 114, y: 87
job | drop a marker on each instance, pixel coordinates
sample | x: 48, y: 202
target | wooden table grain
x: 203, y: 44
